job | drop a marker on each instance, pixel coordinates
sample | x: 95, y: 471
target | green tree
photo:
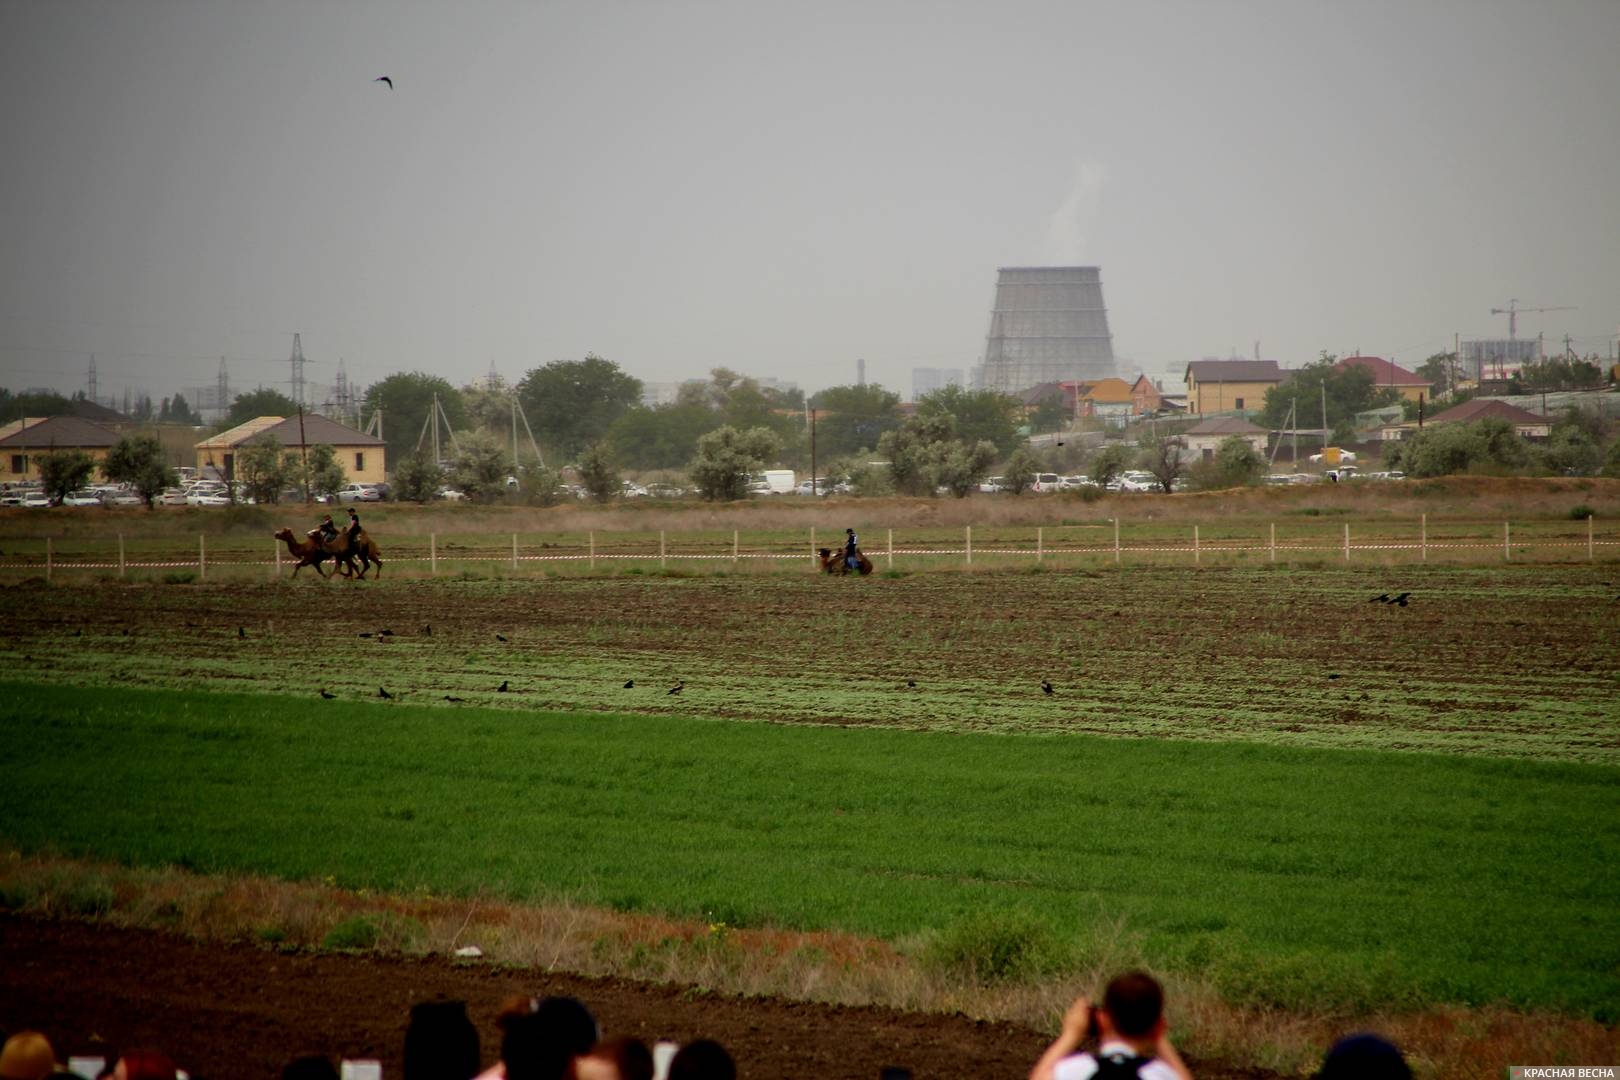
x: 539, y: 485
x: 1348, y: 391
x: 479, y: 466
x: 1491, y: 444
x: 573, y: 403
x: 257, y: 403
x: 1571, y: 452
x: 264, y: 468
x: 406, y: 402
x: 597, y: 474
x: 1442, y: 372
x: 1611, y: 463
x: 1048, y: 414
x: 853, y: 418
x: 1161, y: 456
x: 489, y: 405
x: 1109, y: 462
x: 1237, y: 463
x: 326, y: 473
x: 1020, y: 470
x: 726, y: 458
x: 64, y: 471
x: 17, y: 406
x: 138, y: 460
x: 177, y: 410
x: 663, y: 437
x: 979, y: 414
x: 960, y: 468
x: 417, y: 477
x: 910, y: 451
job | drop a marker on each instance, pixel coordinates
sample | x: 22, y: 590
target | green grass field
x: 1292, y: 876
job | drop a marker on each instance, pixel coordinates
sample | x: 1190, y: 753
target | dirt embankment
x: 242, y: 1011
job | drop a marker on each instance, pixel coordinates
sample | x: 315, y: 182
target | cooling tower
x: 1048, y: 325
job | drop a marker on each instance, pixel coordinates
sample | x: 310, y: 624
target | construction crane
x: 1512, y: 312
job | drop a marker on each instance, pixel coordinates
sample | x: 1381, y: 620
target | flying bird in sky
x: 386, y: 79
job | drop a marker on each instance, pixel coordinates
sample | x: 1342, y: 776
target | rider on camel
x: 354, y: 524
x: 326, y: 531
x: 852, y: 553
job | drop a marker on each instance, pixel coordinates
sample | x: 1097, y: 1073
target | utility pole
x: 297, y: 362
x: 92, y: 381
x: 303, y: 450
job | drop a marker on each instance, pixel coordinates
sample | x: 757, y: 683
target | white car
x: 36, y: 499
x: 172, y: 497
x: 201, y: 496
x: 81, y: 498
x: 123, y: 498
x: 358, y: 493
x: 449, y: 495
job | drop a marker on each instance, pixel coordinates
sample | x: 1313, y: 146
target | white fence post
x: 891, y: 549
x: 969, y: 548
x: 1507, y: 535
x: 278, y: 559
x: 661, y: 549
x: 278, y: 550
x: 202, y: 556
x: 1116, y: 541
x: 433, y: 554
x: 1040, y: 552
x: 1273, y: 541
x: 1589, y: 555
x: 1423, y: 537
x: 1347, y: 541
x: 514, y: 551
x: 814, y: 561
x: 593, y: 548
x: 733, y: 548
x: 48, y: 558
x: 1196, y: 554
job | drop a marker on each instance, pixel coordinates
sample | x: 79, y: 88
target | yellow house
x: 362, y: 456
x: 22, y: 441
x: 1230, y: 386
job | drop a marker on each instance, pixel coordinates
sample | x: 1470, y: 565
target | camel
x: 352, y: 544
x: 308, y: 551
x: 835, y: 564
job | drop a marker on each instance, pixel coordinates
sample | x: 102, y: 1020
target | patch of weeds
x: 894, y: 575
x: 384, y: 930
x: 90, y: 897
x: 1321, y: 511
x: 270, y: 935
x: 16, y: 896
x: 1581, y: 512
x: 994, y: 947
x: 180, y: 577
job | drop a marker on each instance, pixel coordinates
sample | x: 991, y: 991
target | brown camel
x: 352, y: 544
x: 308, y: 551
x: 834, y: 564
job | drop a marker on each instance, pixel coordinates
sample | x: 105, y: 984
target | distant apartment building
x: 925, y: 380
x: 1497, y: 358
x: 654, y: 394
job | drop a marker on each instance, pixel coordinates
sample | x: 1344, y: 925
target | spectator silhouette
x: 702, y: 1060
x: 144, y: 1065
x: 1364, y: 1057
x: 27, y: 1055
x: 621, y: 1059
x: 310, y: 1067
x: 440, y: 1043
x: 1130, y: 1030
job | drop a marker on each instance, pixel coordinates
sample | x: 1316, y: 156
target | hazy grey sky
x: 782, y: 188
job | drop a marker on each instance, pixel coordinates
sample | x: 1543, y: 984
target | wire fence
x: 1112, y: 542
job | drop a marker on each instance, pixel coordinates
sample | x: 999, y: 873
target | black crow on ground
x: 328, y: 695
x: 501, y: 689
x: 385, y: 695
x: 1381, y: 598
x: 1046, y: 687
x: 679, y: 683
x: 1401, y: 599
x: 500, y: 637
x: 241, y: 631
x: 630, y: 684
x: 427, y: 631
x: 447, y: 697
